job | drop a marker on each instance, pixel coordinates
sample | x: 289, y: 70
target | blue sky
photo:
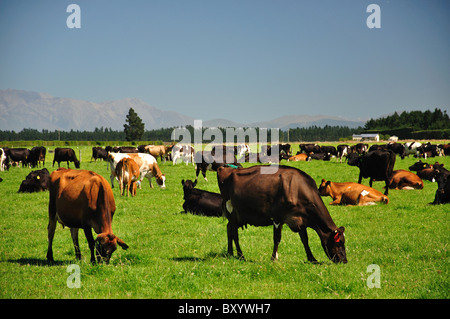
x: 246, y: 60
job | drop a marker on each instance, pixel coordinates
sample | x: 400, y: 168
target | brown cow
x: 83, y: 199
x: 299, y: 157
x: 402, y: 179
x: 159, y: 150
x: 351, y: 193
x: 259, y: 196
x: 127, y: 171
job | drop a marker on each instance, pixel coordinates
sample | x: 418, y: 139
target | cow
x: 18, y: 155
x: 83, y: 199
x: 349, y: 193
x: 309, y: 148
x: 424, y: 170
x: 205, y: 160
x: 127, y: 172
x: 201, y: 202
x: 159, y: 150
x: 99, y: 152
x: 429, y: 150
x: 328, y: 149
x: 376, y: 165
x: 342, y: 150
x: 36, y: 181
x: 320, y: 156
x: 125, y: 149
x: 442, y: 177
x: 183, y: 152
x: 37, y: 155
x: 275, y: 197
x: 243, y: 149
x: 65, y: 155
x: 148, y: 167
x: 397, y: 148
x: 402, y: 179
x: 360, y: 148
x: 299, y: 157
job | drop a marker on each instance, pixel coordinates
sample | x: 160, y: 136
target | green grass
x: 173, y: 255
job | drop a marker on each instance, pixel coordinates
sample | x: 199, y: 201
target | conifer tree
x: 133, y: 128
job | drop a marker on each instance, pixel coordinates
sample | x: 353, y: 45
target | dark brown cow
x: 37, y: 155
x: 376, y: 165
x: 200, y: 202
x: 424, y: 170
x: 36, y: 181
x: 261, y: 197
x: 65, y: 155
x: 402, y: 179
x: 83, y: 199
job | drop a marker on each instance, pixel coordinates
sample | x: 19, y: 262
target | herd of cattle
x: 84, y: 199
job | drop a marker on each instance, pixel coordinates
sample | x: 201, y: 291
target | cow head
x: 336, y: 246
x: 418, y: 166
x: 77, y: 163
x: 354, y: 159
x: 106, y: 244
x: 161, y: 181
x: 325, y: 188
x: 188, y: 186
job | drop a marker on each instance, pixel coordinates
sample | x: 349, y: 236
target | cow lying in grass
x: 351, y: 193
x: 201, y: 202
x: 402, y: 179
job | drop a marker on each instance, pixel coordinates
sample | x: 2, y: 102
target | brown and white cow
x: 159, y: 150
x: 127, y: 172
x: 402, y: 179
x: 284, y: 196
x: 83, y: 199
x: 299, y: 157
x: 349, y: 193
x: 148, y: 167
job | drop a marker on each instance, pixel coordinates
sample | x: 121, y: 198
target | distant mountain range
x: 24, y: 109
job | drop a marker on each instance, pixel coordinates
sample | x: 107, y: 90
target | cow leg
x: 276, y: 239
x: 304, y: 238
x: 51, y: 226
x: 359, y: 178
x: 51, y: 232
x: 91, y: 242
x: 386, y: 192
x: 232, y: 233
x: 74, y: 234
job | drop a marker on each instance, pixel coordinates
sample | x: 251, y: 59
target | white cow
x: 183, y: 152
x: 148, y: 167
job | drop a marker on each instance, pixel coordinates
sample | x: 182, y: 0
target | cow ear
x: 328, y: 183
x: 122, y: 244
x: 182, y: 182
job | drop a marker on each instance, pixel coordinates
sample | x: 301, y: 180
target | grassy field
x: 174, y: 255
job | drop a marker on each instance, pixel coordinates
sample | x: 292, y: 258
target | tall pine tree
x: 133, y: 128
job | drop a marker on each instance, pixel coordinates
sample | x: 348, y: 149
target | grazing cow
x: 183, y: 152
x: 424, y: 170
x: 205, y: 160
x: 99, y: 152
x: 351, y: 193
x: 36, y: 181
x: 18, y: 155
x: 83, y: 199
x: 397, y: 148
x: 243, y: 149
x: 148, y: 167
x: 360, y: 148
x: 376, y: 165
x: 342, y: 150
x: 429, y: 150
x: 402, y: 179
x: 442, y: 177
x: 159, y: 150
x: 288, y: 196
x: 201, y: 202
x: 37, y: 155
x: 127, y: 172
x: 299, y: 157
x: 65, y: 155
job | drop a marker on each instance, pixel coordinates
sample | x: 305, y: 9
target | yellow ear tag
x: 38, y: 177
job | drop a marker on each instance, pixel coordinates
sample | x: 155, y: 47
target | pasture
x: 175, y: 255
